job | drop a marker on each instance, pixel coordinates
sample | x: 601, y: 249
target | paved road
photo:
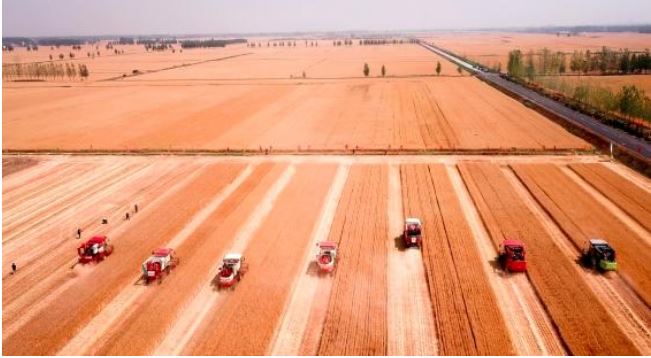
x: 589, y: 124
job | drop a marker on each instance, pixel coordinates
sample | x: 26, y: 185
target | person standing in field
x: 14, y: 268
x: 78, y: 233
x: 135, y: 208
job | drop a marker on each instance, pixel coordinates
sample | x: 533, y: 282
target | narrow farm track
x: 531, y: 329
x: 311, y: 290
x: 209, y: 242
x: 85, y: 298
x: 356, y: 322
x: 632, y: 199
x: 582, y: 217
x: 255, y: 307
x: 468, y: 318
x: 583, y: 321
x: 627, y: 309
x: 410, y: 321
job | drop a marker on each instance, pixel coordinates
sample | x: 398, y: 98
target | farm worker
x: 78, y: 233
x: 135, y: 208
x: 104, y: 221
x: 14, y: 268
x: 126, y: 216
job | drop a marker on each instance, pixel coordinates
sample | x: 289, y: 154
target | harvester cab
x: 327, y: 256
x: 598, y: 254
x: 161, y: 262
x: 232, y: 270
x: 412, y: 233
x: 95, y: 249
x: 512, y: 256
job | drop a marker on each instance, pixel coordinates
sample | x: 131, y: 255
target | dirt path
x: 191, y: 318
x: 627, y: 309
x: 410, y: 320
x: 531, y: 329
x: 304, y: 301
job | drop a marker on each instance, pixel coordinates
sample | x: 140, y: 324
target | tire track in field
x: 304, y: 300
x: 410, y: 320
x: 191, y: 318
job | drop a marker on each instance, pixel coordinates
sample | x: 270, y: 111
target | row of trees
x: 546, y: 62
x: 345, y: 43
x: 629, y: 101
x: 43, y: 71
x: 210, y: 43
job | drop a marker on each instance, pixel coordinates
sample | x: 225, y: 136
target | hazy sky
x: 94, y: 17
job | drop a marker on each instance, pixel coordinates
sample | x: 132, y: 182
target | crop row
x: 583, y: 322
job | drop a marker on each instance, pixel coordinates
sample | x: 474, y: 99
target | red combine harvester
x: 95, y: 249
x: 512, y: 256
x: 232, y: 270
x: 412, y: 233
x: 327, y: 256
x: 161, y: 261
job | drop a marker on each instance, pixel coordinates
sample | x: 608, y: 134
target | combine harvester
x: 232, y: 270
x: 599, y: 255
x: 95, y: 249
x: 411, y: 236
x: 511, y: 256
x: 327, y: 256
x: 160, y: 263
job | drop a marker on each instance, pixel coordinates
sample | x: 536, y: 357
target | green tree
x: 384, y: 71
x: 514, y: 66
x: 438, y: 68
x: 366, y: 69
x: 630, y: 101
x: 530, y: 70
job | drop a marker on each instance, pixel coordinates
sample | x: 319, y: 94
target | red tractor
x: 95, y: 249
x: 512, y: 256
x: 232, y: 270
x: 160, y: 263
x: 412, y: 233
x: 327, y: 256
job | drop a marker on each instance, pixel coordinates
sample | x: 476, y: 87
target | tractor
x: 511, y: 256
x: 327, y: 256
x: 161, y: 262
x: 411, y: 236
x: 95, y: 249
x: 232, y: 270
x: 599, y: 255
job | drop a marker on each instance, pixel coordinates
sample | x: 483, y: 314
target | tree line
x: 606, y: 62
x: 210, y: 43
x: 44, y: 70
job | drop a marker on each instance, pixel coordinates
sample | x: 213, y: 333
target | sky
x: 141, y: 17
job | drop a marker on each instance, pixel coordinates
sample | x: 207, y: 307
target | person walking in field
x: 126, y: 216
x: 78, y: 233
x: 14, y: 268
x: 135, y: 208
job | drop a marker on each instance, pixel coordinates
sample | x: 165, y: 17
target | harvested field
x: 468, y: 319
x: 582, y: 320
x: 273, y: 209
x: 629, y: 197
x: 419, y: 113
x: 12, y: 165
x: 356, y: 322
x: 256, y: 306
x: 581, y: 218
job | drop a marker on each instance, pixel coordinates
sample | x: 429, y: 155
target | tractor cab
x: 598, y: 254
x: 327, y: 256
x: 512, y: 256
x: 231, y: 270
x: 161, y: 261
x: 412, y: 232
x: 95, y: 249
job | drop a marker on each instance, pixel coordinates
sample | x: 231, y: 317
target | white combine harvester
x: 232, y: 269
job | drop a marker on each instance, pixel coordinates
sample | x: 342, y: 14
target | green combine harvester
x: 599, y: 255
